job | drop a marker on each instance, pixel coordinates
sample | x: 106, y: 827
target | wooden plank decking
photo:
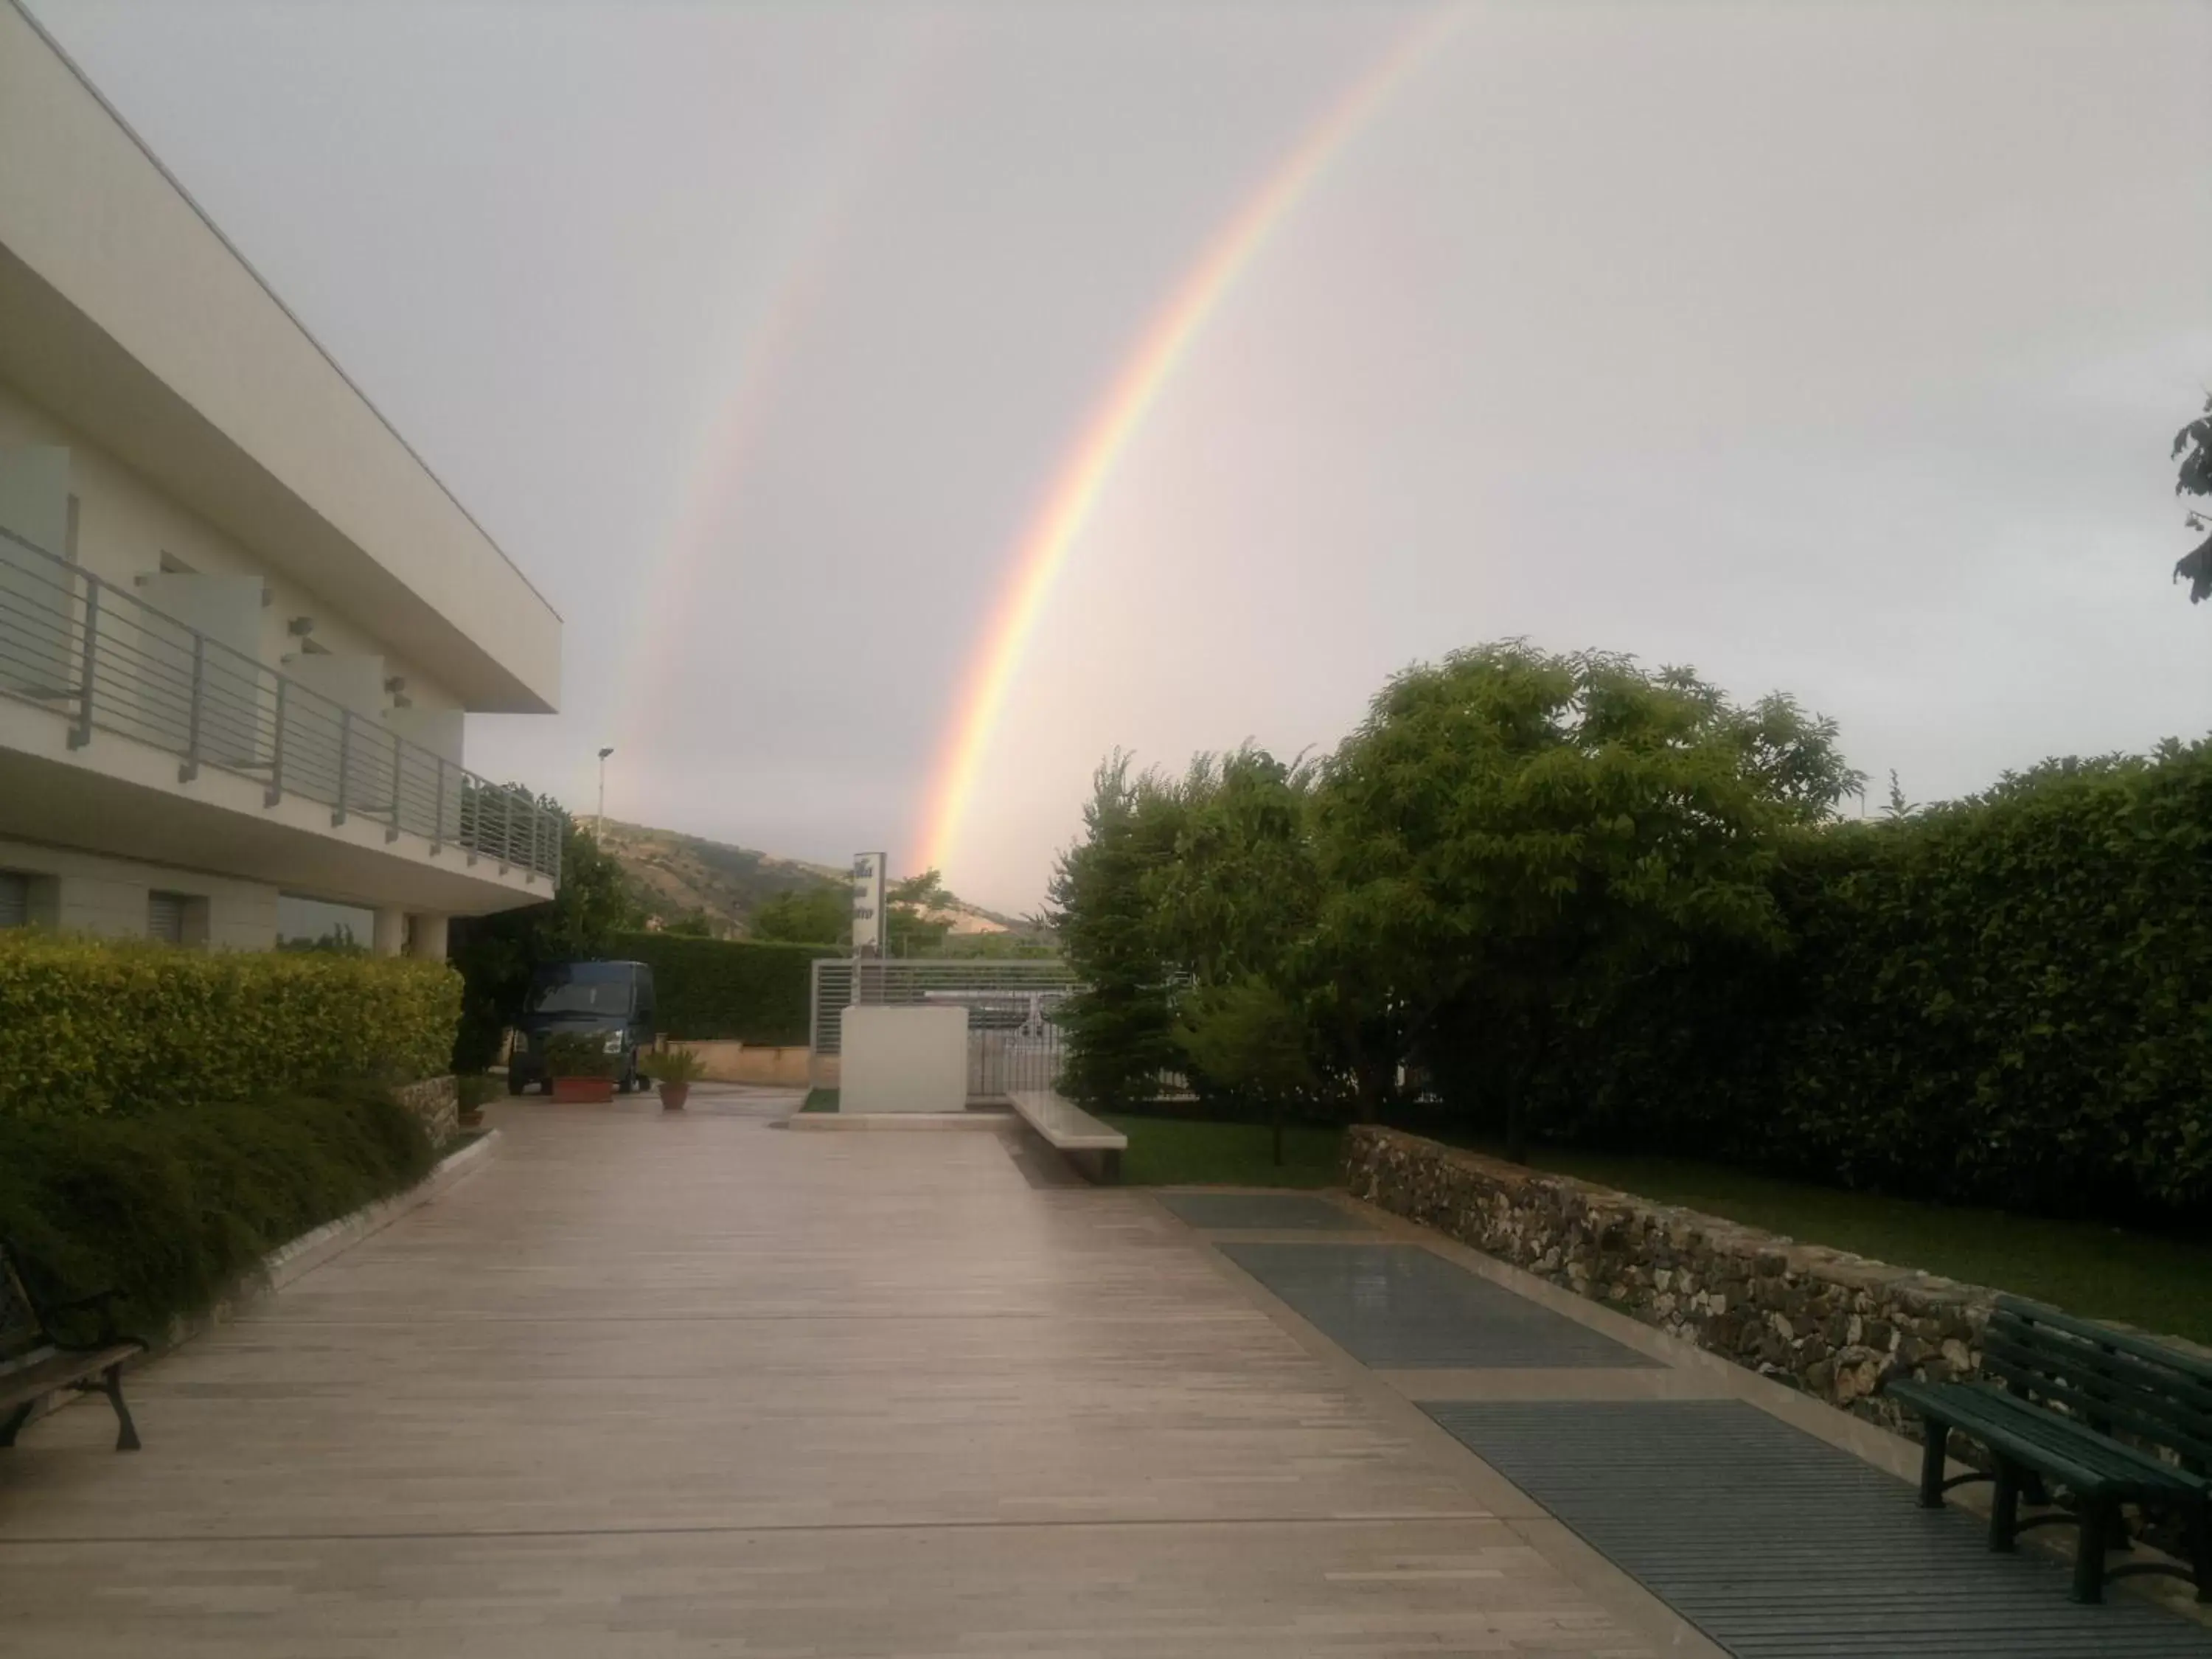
x: 691, y: 1384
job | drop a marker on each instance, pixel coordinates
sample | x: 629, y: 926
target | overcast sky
x: 1828, y: 348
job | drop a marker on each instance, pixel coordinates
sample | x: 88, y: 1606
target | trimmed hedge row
x: 173, y: 1209
x: 93, y: 1026
x: 2004, y: 1001
x: 748, y: 990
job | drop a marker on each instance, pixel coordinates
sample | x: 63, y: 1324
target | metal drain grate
x: 1262, y: 1212
x: 1779, y: 1545
x: 1398, y: 1306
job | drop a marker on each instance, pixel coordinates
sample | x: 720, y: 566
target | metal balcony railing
x: 84, y: 647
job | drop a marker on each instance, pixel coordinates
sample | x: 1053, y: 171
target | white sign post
x: 868, y: 903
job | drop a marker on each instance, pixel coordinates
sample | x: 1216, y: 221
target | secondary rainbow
x: 1114, y: 420
x: 887, y: 108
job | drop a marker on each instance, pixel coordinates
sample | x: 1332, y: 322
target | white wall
x: 94, y: 217
x: 903, y: 1059
x: 124, y: 525
x: 84, y: 893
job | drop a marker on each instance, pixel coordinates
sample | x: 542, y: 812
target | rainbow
x: 1081, y: 478
x: 890, y: 102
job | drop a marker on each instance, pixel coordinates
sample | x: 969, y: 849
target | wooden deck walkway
x: 692, y: 1384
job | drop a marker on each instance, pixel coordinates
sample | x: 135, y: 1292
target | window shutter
x: 164, y: 917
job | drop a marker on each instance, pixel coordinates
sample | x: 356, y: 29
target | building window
x: 164, y: 917
x: 306, y: 924
x: 14, y: 899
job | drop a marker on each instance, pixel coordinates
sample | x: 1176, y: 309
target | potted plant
x: 471, y: 1091
x: 581, y: 1069
x: 675, y: 1070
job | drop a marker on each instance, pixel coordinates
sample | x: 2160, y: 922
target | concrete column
x: 429, y: 941
x: 390, y: 933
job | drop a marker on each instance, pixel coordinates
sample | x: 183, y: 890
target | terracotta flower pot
x: 583, y: 1090
x: 673, y: 1095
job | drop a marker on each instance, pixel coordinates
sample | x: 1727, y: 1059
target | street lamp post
x: 602, y: 828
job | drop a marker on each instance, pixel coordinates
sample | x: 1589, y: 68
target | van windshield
x: 581, y: 996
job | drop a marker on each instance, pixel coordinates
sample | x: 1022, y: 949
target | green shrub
x: 91, y: 1026
x: 172, y: 1208
x: 746, y: 989
x: 678, y: 1065
x: 578, y: 1053
x: 2003, y: 1001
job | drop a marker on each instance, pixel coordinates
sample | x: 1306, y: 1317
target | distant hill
x: 674, y: 876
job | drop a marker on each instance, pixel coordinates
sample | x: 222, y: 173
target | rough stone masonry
x: 437, y: 1101
x: 1826, y: 1321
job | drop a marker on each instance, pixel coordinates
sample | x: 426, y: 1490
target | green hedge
x: 2004, y: 1001
x: 753, y: 991
x: 172, y: 1209
x: 89, y: 1026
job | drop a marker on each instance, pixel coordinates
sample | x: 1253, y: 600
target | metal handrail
x: 79, y: 645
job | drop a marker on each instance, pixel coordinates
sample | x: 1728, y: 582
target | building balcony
x: 124, y: 730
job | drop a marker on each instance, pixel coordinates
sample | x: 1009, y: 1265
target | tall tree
x: 2192, y: 449
x: 497, y: 954
x: 915, y: 922
x: 1119, y: 1026
x: 1238, y: 896
x: 1520, y: 835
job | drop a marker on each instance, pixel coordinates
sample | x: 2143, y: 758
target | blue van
x: 612, y: 998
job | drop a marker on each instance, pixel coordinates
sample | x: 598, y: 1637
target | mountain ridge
x: 674, y: 877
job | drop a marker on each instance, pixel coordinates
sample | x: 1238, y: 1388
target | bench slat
x: 2067, y: 1452
x: 2039, y: 1345
x: 2101, y: 1399
x: 57, y: 1369
x: 2127, y: 1342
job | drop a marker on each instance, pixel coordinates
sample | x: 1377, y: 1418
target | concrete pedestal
x: 904, y: 1059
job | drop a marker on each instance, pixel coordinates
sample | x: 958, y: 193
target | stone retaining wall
x: 1825, y: 1321
x: 437, y: 1101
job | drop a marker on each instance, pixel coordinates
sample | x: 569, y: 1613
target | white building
x: 240, y: 622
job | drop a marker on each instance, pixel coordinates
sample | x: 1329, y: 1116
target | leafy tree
x: 909, y: 929
x: 1240, y: 892
x: 1513, y: 838
x: 819, y: 915
x: 497, y: 954
x: 1249, y: 1038
x: 2193, y: 448
x: 1119, y: 1026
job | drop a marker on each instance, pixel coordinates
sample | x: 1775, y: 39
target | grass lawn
x: 2162, y: 1285
x: 1166, y: 1151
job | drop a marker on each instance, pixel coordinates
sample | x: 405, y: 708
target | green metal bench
x: 34, y: 1362
x: 2069, y: 1387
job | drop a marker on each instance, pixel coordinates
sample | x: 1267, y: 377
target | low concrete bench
x: 1091, y: 1147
